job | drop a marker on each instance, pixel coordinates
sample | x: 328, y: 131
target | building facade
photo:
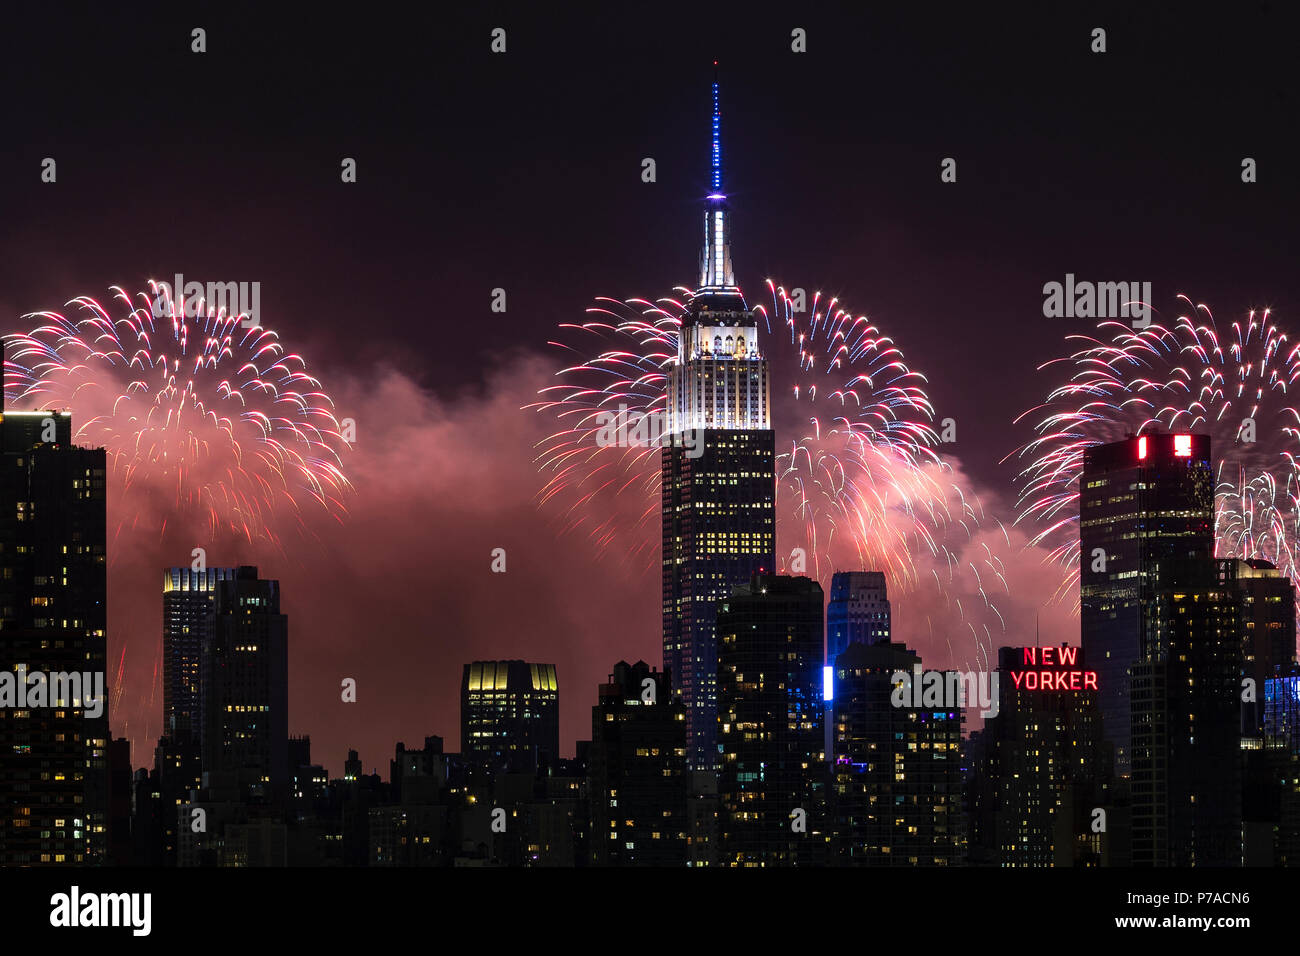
x: 1141, y: 500
x: 637, y: 768
x: 510, y: 715
x: 897, y: 772
x: 772, y: 785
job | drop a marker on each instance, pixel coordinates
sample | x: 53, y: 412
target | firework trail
x: 860, y: 483
x: 1189, y: 375
x: 216, y: 418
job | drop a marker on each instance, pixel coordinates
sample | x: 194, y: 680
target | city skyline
x: 393, y: 486
x: 716, y: 271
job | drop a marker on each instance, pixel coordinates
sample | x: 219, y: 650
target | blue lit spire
x: 715, y: 263
x: 717, y: 139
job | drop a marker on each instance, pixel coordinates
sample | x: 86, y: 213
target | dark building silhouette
x: 416, y: 829
x: 897, y: 771
x: 637, y: 771
x: 245, y: 692
x: 1186, y: 747
x: 718, y: 472
x: 1141, y: 500
x: 510, y: 715
x: 120, y: 796
x: 772, y: 785
x: 54, y: 737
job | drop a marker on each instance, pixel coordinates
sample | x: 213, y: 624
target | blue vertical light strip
x: 717, y: 135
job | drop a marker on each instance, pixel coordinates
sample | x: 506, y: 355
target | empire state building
x: 719, y: 493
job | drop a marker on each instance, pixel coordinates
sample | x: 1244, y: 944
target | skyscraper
x: 53, y: 592
x: 189, y: 625
x: 1142, y: 500
x: 189, y: 618
x: 245, y: 681
x: 857, y: 612
x: 718, y: 492
x: 510, y: 715
x: 772, y: 785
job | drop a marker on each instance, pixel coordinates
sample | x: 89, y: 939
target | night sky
x: 522, y: 171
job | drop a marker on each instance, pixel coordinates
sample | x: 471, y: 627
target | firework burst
x: 200, y: 415
x: 860, y: 482
x: 1233, y: 383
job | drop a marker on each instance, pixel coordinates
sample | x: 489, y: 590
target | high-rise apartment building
x: 772, y: 783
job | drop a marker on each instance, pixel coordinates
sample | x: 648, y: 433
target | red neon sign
x: 1142, y: 447
x: 1055, y: 670
x: 1183, y: 446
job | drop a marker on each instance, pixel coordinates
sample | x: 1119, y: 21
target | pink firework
x: 860, y: 481
x: 1231, y: 381
x: 201, y: 416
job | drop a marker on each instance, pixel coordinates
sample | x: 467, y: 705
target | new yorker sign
x: 1053, y: 668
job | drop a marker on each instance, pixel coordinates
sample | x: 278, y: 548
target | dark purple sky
x: 521, y: 171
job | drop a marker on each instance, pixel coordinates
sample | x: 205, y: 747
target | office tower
x: 897, y: 776
x: 54, y: 786
x: 718, y: 472
x: 772, y: 783
x: 858, y: 611
x: 510, y: 715
x: 637, y: 770
x: 1186, y: 749
x: 1141, y: 500
x: 1044, y: 760
x: 189, y: 617
x: 245, y: 692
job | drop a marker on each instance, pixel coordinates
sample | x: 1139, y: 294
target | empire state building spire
x: 715, y: 262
